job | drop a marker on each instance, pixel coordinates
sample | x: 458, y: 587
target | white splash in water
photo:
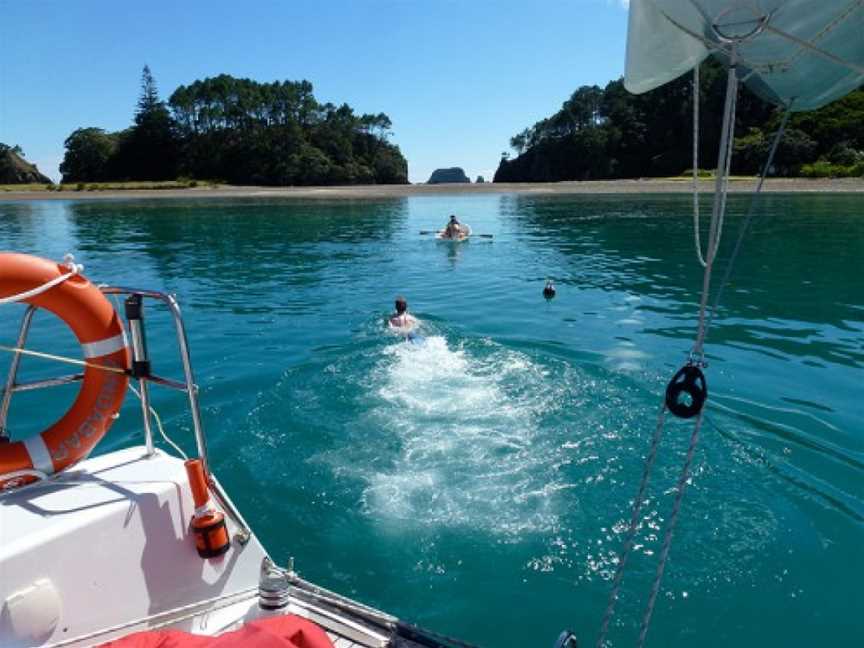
x: 470, y: 452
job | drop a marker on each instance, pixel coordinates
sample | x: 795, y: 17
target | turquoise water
x: 478, y: 484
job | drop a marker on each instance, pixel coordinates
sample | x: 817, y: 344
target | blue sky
x: 458, y: 79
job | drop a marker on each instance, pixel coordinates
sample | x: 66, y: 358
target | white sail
x: 809, y: 51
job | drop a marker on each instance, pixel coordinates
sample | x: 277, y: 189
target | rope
x: 72, y: 361
x: 12, y: 480
x: 680, y: 487
x: 633, y: 527
x: 696, y: 166
x: 724, y: 158
x: 159, y: 426
x: 727, y: 275
x: 724, y: 161
x: 721, y: 212
x: 68, y: 261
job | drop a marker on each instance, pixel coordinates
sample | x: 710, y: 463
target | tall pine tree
x: 149, y: 149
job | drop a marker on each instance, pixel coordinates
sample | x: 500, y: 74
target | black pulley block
x: 691, y: 381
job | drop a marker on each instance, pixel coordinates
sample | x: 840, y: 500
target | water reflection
x: 453, y: 249
x: 242, y: 253
x: 36, y: 228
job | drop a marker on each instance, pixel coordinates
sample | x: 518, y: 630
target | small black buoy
x: 549, y: 289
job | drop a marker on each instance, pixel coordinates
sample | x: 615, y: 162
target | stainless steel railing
x: 140, y: 372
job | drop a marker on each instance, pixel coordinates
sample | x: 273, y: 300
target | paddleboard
x: 440, y: 236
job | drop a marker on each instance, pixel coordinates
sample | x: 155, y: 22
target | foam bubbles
x: 470, y: 451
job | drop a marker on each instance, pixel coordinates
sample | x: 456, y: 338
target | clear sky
x: 457, y: 78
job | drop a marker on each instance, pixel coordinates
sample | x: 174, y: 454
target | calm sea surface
x: 478, y: 484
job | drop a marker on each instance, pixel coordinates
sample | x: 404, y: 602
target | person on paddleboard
x: 402, y: 319
x: 454, y: 229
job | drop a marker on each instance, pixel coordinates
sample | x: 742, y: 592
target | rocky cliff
x: 16, y: 170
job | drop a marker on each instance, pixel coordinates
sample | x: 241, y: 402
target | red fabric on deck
x: 288, y: 631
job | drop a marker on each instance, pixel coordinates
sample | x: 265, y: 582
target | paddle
x: 439, y: 231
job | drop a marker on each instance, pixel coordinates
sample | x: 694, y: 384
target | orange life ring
x: 95, y: 323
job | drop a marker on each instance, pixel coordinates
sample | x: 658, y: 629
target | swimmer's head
x: 401, y: 304
x: 453, y: 218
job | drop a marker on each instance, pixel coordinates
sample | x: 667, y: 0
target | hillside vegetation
x: 15, y: 170
x: 604, y: 133
x: 240, y: 131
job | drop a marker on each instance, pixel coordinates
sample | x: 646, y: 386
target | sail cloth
x: 809, y: 51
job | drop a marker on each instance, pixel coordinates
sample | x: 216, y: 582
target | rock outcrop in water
x: 14, y: 169
x: 453, y: 174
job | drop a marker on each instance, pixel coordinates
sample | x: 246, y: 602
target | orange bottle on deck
x: 208, y: 524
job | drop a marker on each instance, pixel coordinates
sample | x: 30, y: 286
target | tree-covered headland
x: 14, y: 169
x: 242, y: 132
x: 605, y: 133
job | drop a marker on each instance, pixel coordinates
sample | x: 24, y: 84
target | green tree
x: 16, y: 149
x: 88, y: 154
x: 150, y: 150
x: 277, y: 133
x: 611, y: 133
x: 246, y: 132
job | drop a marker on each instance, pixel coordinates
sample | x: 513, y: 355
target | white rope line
x: 630, y: 535
x: 726, y: 172
x: 724, y: 161
x: 696, y: 166
x: 723, y: 164
x: 680, y: 487
x: 49, y: 356
x: 159, y: 426
x: 68, y: 261
x: 12, y: 480
x: 57, y: 358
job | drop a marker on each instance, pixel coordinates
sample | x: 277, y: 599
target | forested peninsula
x: 608, y: 133
x: 241, y: 132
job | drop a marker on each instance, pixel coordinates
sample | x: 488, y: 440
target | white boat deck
x: 103, y: 550
x: 342, y: 642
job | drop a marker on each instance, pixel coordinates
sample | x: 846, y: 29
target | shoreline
x: 367, y: 192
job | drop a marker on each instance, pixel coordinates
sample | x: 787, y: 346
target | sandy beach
x: 652, y: 186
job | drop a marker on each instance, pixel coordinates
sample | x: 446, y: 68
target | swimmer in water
x: 402, y: 319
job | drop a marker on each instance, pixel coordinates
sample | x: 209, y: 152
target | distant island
x: 608, y: 133
x: 241, y: 132
x: 14, y: 169
x: 451, y: 175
